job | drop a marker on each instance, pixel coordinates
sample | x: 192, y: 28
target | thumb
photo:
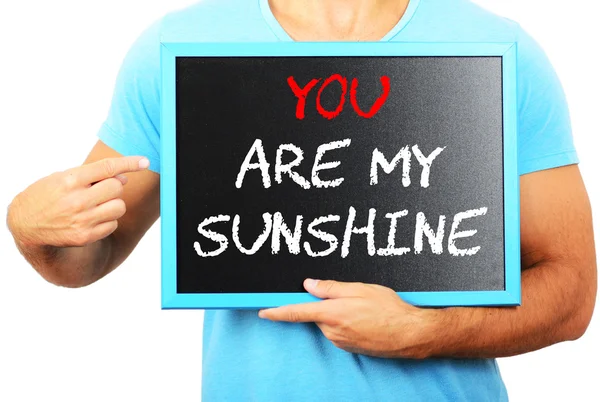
x: 330, y: 289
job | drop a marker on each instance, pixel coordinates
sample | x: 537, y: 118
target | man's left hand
x: 364, y: 318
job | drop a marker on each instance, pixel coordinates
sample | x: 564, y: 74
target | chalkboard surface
x: 378, y: 169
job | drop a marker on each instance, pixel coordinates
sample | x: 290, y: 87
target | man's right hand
x: 75, y: 207
x: 72, y: 226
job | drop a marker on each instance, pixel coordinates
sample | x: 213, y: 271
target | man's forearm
x: 556, y: 306
x: 69, y: 266
x: 65, y: 266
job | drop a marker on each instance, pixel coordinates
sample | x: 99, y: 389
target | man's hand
x: 364, y: 318
x: 75, y: 207
x: 73, y: 227
x: 558, y: 282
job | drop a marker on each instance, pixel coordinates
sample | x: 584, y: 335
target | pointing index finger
x: 111, y: 167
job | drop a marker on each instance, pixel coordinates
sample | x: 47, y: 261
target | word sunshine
x: 277, y: 229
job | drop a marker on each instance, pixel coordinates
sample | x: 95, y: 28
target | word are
x: 379, y: 160
x: 276, y: 228
x: 302, y: 93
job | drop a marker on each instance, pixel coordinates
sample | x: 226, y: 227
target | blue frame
x: 511, y: 296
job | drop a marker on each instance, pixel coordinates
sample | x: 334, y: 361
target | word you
x: 302, y: 93
x: 276, y: 228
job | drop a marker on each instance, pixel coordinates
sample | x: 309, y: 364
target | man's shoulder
x: 459, y: 21
x: 216, y: 21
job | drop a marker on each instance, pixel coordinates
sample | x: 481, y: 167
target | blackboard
x: 396, y: 169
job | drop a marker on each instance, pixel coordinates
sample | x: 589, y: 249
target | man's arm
x: 559, y: 283
x: 559, y: 279
x: 74, y: 233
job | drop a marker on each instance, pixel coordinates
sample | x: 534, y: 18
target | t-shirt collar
x: 282, y: 35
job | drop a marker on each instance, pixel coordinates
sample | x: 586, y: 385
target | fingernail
x: 122, y: 178
x: 144, y: 163
x: 261, y: 314
x: 311, y: 283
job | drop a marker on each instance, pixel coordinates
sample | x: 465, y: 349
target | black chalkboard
x: 360, y: 114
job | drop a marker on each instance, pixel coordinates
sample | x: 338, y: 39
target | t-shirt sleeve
x: 132, y: 126
x: 544, y: 125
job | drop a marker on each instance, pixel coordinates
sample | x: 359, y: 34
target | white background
x: 110, y: 341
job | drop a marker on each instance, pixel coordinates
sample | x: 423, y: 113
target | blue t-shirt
x: 248, y: 358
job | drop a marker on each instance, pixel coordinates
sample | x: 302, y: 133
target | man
x: 362, y: 343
